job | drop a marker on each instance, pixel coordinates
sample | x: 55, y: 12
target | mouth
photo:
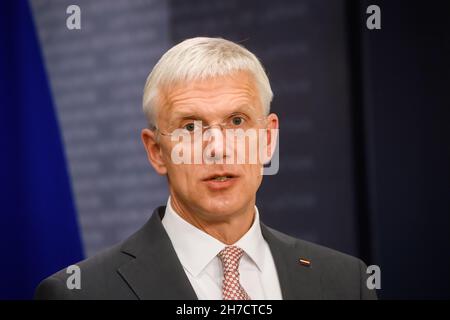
x: 220, y: 181
x: 221, y: 177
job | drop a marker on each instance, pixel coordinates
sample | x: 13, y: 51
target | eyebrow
x: 181, y: 115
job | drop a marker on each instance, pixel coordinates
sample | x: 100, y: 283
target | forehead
x: 216, y: 95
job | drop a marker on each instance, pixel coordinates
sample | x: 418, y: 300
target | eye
x: 237, y: 121
x: 189, y: 127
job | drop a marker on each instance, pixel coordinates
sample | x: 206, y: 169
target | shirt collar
x: 196, y: 249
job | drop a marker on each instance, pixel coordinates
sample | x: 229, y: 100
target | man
x: 208, y: 242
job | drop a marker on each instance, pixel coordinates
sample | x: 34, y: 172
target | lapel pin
x: 304, y: 262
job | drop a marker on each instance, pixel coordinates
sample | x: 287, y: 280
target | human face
x: 191, y: 185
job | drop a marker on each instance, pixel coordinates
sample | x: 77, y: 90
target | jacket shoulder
x: 98, y: 278
x: 341, y: 275
x: 313, y: 250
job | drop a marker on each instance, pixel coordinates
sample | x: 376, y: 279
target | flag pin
x: 304, y: 262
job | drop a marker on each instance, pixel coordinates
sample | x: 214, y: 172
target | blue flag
x: 38, y: 226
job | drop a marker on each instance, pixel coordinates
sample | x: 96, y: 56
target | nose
x: 215, y: 150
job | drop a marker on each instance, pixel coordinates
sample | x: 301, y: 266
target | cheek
x: 253, y: 177
x: 183, y: 177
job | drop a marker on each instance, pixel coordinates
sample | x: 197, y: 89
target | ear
x: 154, y: 151
x: 272, y: 133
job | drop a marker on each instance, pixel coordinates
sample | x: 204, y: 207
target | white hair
x: 201, y: 58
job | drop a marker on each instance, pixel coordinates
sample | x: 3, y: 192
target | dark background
x: 403, y: 82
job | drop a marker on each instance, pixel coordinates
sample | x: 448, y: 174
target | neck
x: 227, y: 230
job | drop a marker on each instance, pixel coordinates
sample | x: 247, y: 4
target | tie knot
x: 230, y: 257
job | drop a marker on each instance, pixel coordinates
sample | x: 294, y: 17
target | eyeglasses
x: 233, y: 122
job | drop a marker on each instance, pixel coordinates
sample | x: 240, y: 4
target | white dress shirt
x: 197, y: 252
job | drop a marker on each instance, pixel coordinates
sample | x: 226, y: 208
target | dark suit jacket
x: 146, y: 266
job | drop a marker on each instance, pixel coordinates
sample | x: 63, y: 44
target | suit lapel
x: 297, y: 282
x: 155, y: 272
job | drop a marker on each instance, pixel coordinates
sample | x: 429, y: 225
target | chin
x: 226, y: 206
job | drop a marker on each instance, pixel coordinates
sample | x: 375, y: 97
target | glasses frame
x: 204, y: 128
